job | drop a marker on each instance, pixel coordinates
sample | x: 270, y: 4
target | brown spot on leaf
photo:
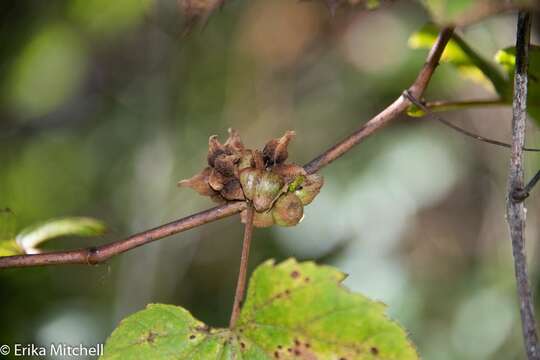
x: 295, y: 274
x: 204, y: 328
x: 307, y: 279
x: 374, y: 350
x: 151, y: 336
x: 191, y: 337
x: 276, y: 354
x: 242, y: 345
x: 303, y: 351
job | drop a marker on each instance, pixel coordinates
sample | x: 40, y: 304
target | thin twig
x: 390, y: 113
x: 520, y: 195
x: 102, y: 253
x: 244, y: 261
x: 515, y: 210
x: 468, y: 133
x: 444, y: 105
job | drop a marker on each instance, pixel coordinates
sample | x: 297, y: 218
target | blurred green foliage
x: 48, y: 70
x: 473, y: 66
x: 468, y: 61
x: 452, y: 11
x: 28, y: 239
x: 108, y: 18
x: 507, y: 58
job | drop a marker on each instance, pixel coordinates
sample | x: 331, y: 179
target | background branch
x: 442, y: 105
x: 102, y: 253
x: 462, y: 131
x: 391, y: 112
x: 515, y: 210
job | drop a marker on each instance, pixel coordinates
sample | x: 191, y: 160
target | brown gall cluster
x: 277, y: 190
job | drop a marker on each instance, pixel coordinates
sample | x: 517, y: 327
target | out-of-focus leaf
x: 8, y: 224
x: 10, y: 248
x: 29, y: 238
x: 415, y: 111
x: 445, y: 11
x: 469, y: 63
x: 292, y: 310
x: 372, y: 4
x: 8, y: 227
x: 48, y: 71
x: 507, y: 58
x: 105, y: 17
x: 367, y: 4
x: 452, y: 11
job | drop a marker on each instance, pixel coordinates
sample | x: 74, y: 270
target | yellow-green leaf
x: 10, y: 248
x: 8, y: 224
x: 292, y: 310
x: 30, y: 238
x: 469, y: 63
x: 507, y: 58
x: 48, y: 71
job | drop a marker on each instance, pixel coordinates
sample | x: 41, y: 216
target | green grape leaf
x: 292, y: 310
x: 469, y: 63
x: 29, y: 238
x: 507, y: 58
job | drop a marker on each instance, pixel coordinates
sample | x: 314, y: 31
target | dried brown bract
x: 277, y: 190
x: 275, y: 151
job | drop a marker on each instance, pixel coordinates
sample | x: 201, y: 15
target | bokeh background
x: 104, y: 106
